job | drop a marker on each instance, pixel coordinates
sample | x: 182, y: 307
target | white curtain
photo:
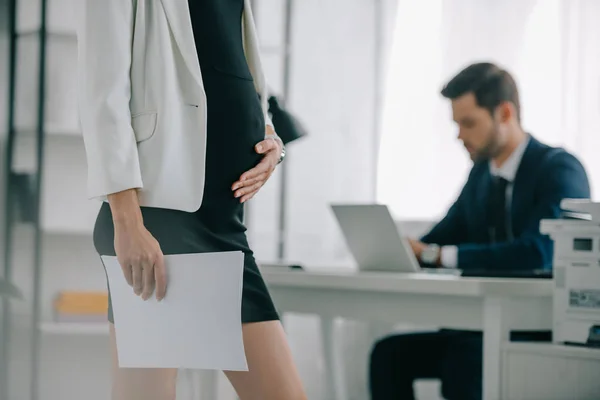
x: 333, y: 92
x: 551, y: 46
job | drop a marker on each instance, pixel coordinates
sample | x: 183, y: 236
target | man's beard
x: 492, y: 148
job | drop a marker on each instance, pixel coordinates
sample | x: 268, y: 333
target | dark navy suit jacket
x: 545, y: 176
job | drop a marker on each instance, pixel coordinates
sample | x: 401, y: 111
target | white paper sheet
x: 198, y: 325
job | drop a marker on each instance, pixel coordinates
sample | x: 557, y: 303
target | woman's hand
x: 137, y: 250
x: 251, y: 181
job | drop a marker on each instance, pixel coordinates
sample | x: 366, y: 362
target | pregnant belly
x: 235, y: 125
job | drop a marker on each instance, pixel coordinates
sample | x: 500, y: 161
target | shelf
x: 65, y: 207
x: 79, y: 329
x: 61, y: 111
x: 51, y: 131
x: 61, y: 15
x: 62, y: 145
x: 50, y: 34
x: 67, y: 231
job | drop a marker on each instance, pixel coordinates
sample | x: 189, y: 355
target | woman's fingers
x: 146, y: 276
x: 138, y: 278
x: 160, y: 276
x: 128, y: 273
x: 140, y: 255
x: 148, y: 280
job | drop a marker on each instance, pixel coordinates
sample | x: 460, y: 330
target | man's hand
x: 251, y: 181
x: 417, y: 247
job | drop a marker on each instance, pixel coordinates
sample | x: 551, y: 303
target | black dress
x: 235, y: 124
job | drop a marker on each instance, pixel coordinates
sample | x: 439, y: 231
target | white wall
x: 332, y: 91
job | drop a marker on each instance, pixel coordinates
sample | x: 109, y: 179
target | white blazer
x: 141, y: 99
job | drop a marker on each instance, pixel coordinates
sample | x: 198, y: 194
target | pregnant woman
x: 173, y: 111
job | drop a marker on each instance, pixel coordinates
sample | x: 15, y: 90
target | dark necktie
x: 497, y: 210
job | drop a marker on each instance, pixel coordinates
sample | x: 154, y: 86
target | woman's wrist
x: 271, y: 134
x: 125, y: 208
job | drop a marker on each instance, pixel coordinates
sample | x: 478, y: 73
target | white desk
x: 495, y: 306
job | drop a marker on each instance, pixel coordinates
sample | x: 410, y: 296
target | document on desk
x: 198, y: 325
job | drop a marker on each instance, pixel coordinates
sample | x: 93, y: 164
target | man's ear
x: 505, y: 111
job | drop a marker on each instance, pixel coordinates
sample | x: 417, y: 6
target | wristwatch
x: 430, y: 254
x: 282, y: 155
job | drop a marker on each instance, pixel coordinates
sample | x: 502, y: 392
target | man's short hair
x: 490, y: 84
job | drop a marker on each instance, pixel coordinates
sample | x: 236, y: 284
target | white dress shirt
x: 508, y: 171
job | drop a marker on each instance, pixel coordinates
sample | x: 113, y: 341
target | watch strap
x: 278, y: 140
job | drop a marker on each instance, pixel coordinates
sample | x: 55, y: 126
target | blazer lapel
x: 251, y: 48
x: 481, y: 209
x: 522, y: 185
x: 178, y: 16
x: 252, y: 52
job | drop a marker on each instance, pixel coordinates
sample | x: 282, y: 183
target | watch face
x: 282, y: 155
x: 430, y: 254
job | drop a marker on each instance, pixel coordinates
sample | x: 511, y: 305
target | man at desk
x: 515, y: 182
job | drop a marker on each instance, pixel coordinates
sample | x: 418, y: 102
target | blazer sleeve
x: 105, y: 37
x: 452, y: 229
x: 562, y: 177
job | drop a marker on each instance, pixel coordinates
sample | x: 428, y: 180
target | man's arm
x: 449, y: 232
x: 452, y: 229
x: 563, y: 177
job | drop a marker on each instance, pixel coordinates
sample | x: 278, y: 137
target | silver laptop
x: 374, y: 239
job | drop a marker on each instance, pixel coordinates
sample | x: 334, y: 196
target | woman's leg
x: 271, y: 373
x: 140, y: 383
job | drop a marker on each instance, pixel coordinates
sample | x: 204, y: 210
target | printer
x: 576, y: 264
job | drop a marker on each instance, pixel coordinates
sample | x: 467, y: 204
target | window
x: 551, y: 48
